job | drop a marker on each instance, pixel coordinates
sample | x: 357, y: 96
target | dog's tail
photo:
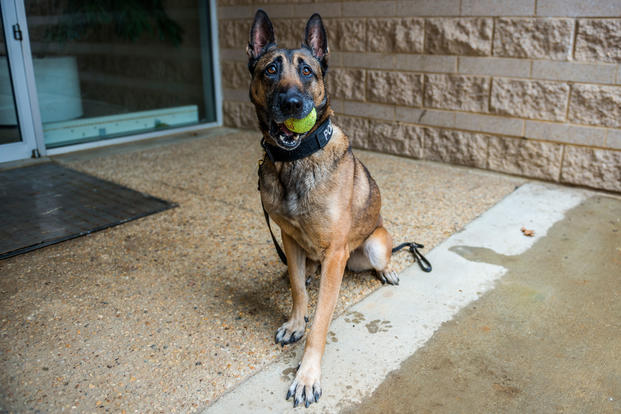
x: 423, y: 263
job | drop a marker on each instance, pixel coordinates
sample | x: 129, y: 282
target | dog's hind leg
x: 374, y: 253
x: 292, y: 330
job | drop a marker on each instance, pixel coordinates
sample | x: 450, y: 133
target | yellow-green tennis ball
x: 302, y: 125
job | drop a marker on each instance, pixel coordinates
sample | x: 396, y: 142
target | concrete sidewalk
x: 166, y: 313
x: 504, y: 323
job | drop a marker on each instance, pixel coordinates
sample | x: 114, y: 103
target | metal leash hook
x: 423, y: 263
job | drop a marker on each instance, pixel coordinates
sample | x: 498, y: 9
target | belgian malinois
x: 326, y: 203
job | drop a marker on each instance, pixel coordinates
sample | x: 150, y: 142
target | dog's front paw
x: 290, y: 331
x: 388, y: 276
x: 305, y: 388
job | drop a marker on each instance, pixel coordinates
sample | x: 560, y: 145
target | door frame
x: 21, y: 72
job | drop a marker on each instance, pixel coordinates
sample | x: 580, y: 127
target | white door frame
x: 24, y: 91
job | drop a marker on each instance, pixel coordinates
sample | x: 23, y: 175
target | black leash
x: 423, y: 263
x: 281, y: 254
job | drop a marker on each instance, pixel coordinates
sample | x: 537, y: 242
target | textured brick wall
x: 528, y: 87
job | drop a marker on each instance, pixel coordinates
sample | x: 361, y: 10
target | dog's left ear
x: 316, y: 40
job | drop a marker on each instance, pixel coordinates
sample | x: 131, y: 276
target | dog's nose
x: 291, y: 103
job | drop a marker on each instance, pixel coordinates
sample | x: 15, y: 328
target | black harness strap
x: 310, y: 144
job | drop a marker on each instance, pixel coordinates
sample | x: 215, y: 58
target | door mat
x: 47, y: 203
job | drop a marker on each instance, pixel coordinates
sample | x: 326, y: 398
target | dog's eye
x: 271, y: 69
x: 306, y: 71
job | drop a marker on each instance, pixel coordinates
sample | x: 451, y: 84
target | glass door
x: 17, y: 129
x: 105, y: 69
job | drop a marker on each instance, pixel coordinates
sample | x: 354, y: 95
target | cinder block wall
x: 528, y: 87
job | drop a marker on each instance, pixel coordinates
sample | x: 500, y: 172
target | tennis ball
x: 302, y: 125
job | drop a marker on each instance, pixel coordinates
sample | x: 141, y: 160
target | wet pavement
x: 546, y: 339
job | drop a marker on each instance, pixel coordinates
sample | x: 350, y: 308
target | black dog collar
x: 309, y: 145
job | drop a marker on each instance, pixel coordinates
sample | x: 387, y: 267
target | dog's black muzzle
x: 290, y: 103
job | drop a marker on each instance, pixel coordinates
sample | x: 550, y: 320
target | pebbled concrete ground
x: 166, y: 313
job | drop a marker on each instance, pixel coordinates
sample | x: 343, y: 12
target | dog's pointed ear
x: 316, y: 40
x: 261, y: 37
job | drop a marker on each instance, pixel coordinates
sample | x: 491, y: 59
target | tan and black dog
x: 326, y: 203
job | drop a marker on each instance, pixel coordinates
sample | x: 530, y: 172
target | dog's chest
x: 290, y: 198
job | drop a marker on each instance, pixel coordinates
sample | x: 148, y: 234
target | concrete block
x: 425, y: 116
x: 466, y: 93
x: 238, y: 55
x: 428, y: 8
x: 595, y: 105
x: 455, y: 147
x: 529, y: 98
x: 613, y: 139
x: 239, y: 115
x: 394, y: 138
x: 597, y: 168
x: 345, y: 35
x: 426, y: 63
x: 403, y: 88
x: 235, y: 75
x: 598, y: 40
x: 458, y: 36
x: 235, y: 12
x: 498, y: 7
x: 494, y: 66
x: 347, y: 83
x: 233, y: 34
x: 571, y: 71
x: 576, y: 8
x: 369, y: 9
x: 290, y: 32
x: 395, y: 35
x: 533, y: 38
x: 525, y: 157
x: 324, y: 9
x: 357, y: 129
x: 572, y: 134
x: 368, y: 60
x: 489, y: 123
x: 337, y: 105
x: 238, y: 95
x: 275, y: 11
x: 369, y: 110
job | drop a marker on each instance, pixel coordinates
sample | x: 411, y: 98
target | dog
x: 323, y: 198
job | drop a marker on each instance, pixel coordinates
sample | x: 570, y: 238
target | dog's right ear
x: 261, y: 38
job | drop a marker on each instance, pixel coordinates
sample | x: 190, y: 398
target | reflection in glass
x: 106, y: 68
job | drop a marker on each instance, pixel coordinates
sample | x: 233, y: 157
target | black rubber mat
x: 48, y: 203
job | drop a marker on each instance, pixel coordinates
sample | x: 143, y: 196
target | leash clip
x: 423, y: 263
